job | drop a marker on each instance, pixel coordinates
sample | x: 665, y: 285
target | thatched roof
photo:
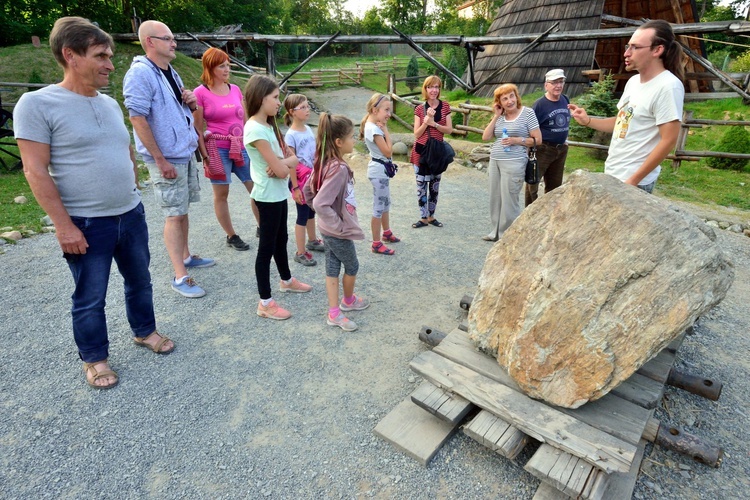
x: 536, y: 16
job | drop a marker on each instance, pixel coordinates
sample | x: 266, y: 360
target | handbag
x: 390, y: 167
x: 532, y: 167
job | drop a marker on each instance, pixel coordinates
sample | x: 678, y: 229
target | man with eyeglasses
x: 647, y: 124
x: 554, y: 121
x: 160, y: 110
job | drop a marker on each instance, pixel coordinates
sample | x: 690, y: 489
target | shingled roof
x: 536, y: 16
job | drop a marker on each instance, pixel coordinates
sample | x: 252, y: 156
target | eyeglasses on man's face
x: 557, y: 83
x: 634, y: 47
x: 168, y: 39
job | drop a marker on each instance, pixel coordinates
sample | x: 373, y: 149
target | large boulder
x: 589, y: 283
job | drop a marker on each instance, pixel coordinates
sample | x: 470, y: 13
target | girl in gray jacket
x: 331, y: 189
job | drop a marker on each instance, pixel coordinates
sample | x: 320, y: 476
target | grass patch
x: 20, y: 217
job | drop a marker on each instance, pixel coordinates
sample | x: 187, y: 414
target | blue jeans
x: 124, y: 238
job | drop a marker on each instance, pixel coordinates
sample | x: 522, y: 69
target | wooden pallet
x: 591, y: 452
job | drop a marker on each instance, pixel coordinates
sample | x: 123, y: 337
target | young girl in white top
x: 374, y: 130
x: 301, y: 141
x: 331, y: 189
x: 270, y: 169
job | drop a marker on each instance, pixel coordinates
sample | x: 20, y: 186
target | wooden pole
x: 520, y: 55
x: 434, y: 61
x: 270, y: 61
x: 682, y: 138
x: 309, y: 58
x: 710, y: 67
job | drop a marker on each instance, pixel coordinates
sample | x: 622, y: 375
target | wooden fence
x: 680, y: 154
x: 344, y: 76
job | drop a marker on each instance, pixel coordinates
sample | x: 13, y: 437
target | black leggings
x: 273, y: 238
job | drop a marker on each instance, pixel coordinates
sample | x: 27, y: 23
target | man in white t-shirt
x: 647, y: 124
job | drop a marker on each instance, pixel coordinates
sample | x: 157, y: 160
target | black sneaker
x: 237, y: 243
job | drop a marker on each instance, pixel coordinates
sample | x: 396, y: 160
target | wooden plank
x: 569, y: 475
x: 532, y: 417
x: 546, y: 491
x: 621, y: 484
x: 496, y: 434
x: 658, y: 367
x: 444, y: 405
x: 640, y: 390
x: 611, y: 413
x: 414, y: 431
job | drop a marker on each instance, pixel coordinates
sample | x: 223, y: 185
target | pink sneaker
x: 295, y: 286
x: 342, y: 322
x: 272, y: 311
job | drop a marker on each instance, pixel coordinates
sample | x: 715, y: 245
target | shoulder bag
x: 532, y: 167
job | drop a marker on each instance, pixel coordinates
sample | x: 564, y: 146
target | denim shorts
x: 242, y: 173
x: 174, y: 196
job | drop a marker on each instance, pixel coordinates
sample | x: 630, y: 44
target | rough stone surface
x: 20, y: 199
x: 400, y: 148
x: 12, y: 235
x: 589, y: 283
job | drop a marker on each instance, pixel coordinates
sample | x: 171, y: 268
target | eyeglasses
x: 557, y: 83
x: 305, y: 107
x: 434, y: 87
x: 168, y: 39
x: 633, y: 47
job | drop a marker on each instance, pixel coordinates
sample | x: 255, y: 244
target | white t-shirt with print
x: 641, y: 109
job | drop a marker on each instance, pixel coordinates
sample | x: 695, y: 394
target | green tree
x: 412, y: 73
x: 409, y: 16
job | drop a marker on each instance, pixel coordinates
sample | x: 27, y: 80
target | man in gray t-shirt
x: 81, y: 168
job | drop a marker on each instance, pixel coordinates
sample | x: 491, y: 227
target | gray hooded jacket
x: 147, y: 94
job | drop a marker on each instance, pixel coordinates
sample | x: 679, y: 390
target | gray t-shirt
x: 89, y: 149
x: 303, y: 144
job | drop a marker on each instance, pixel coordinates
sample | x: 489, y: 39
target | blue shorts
x: 242, y: 173
x: 304, y: 214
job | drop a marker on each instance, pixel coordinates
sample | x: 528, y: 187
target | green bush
x: 599, y: 101
x: 742, y: 64
x: 735, y: 140
x: 412, y: 73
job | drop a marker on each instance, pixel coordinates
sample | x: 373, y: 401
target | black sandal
x: 435, y: 223
x: 419, y: 224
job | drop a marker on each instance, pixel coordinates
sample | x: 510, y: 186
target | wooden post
x: 682, y: 138
x: 270, y: 62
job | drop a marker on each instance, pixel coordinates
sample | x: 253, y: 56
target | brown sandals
x: 141, y: 341
x: 99, y: 374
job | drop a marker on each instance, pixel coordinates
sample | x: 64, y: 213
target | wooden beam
x: 730, y: 27
x: 530, y: 47
x: 309, y: 58
x: 536, y: 419
x: 231, y: 58
x: 710, y: 67
x: 435, y: 62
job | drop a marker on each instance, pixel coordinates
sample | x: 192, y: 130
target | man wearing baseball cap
x: 554, y: 121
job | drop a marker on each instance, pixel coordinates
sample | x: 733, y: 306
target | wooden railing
x: 680, y: 154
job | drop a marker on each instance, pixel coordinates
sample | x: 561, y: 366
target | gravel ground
x: 247, y: 407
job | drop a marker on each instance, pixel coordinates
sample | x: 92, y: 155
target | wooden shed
x: 579, y: 58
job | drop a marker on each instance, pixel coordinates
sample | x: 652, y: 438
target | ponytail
x: 673, y: 54
x: 330, y: 128
x: 372, y: 106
